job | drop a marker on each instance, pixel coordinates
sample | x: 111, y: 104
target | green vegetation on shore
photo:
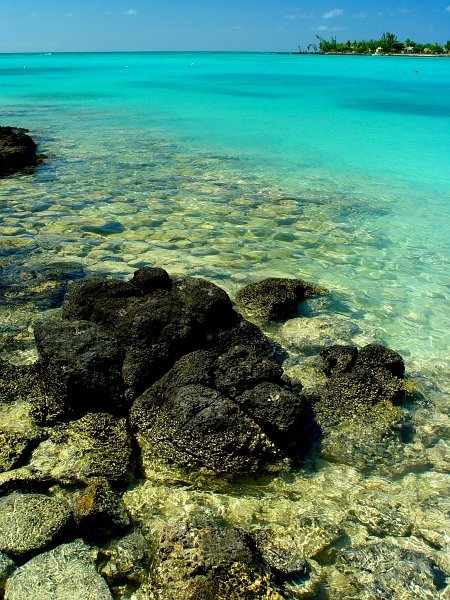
x: 387, y: 44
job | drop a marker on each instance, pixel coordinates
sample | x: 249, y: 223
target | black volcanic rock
x: 17, y: 150
x: 375, y: 356
x: 81, y: 366
x: 201, y: 381
x: 362, y: 377
x: 156, y: 322
x: 231, y: 414
x: 196, y: 426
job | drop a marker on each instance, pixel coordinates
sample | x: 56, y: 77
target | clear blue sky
x: 97, y: 25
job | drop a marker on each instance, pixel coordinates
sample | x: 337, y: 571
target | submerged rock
x: 356, y: 408
x: 65, y: 573
x: 361, y: 378
x: 207, y: 562
x: 275, y: 298
x: 17, y: 150
x: 42, y: 285
x: 284, y: 562
x: 99, y: 512
x: 383, y: 570
x: 126, y: 560
x: 30, y: 522
x: 97, y: 445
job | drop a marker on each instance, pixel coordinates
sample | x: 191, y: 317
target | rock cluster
x: 196, y: 378
x: 165, y: 367
x: 17, y: 150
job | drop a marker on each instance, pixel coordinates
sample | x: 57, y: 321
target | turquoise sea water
x: 237, y: 167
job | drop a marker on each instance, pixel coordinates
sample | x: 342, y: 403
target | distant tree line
x: 388, y: 44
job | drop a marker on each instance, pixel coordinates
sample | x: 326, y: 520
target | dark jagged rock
x: 198, y: 427
x: 99, y: 512
x: 30, y: 522
x: 240, y: 369
x: 281, y: 414
x: 338, y: 359
x: 231, y: 414
x: 374, y: 356
x: 358, y: 386
x: 17, y: 150
x: 149, y: 279
x: 101, y: 301
x: 97, y: 445
x: 194, y: 368
x: 239, y: 333
x: 126, y: 560
x: 81, y: 365
x: 275, y: 298
x: 207, y: 562
x: 206, y: 303
x: 159, y: 332
x: 365, y: 376
x: 65, y: 573
x: 155, y: 322
x: 361, y: 425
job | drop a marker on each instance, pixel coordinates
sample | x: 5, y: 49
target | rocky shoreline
x: 166, y: 369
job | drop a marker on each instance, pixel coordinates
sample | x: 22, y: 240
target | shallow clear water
x: 241, y: 166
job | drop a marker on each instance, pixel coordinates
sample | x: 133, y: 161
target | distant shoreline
x: 365, y: 54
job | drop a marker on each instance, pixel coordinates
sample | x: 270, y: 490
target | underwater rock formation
x: 207, y: 561
x: 30, y: 522
x: 17, y: 150
x: 43, y: 285
x: 357, y: 408
x: 65, y: 573
x: 383, y: 570
x: 362, y: 377
x: 126, y: 559
x: 97, y: 445
x: 99, y: 512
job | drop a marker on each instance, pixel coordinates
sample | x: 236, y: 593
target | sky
x: 248, y: 25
